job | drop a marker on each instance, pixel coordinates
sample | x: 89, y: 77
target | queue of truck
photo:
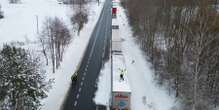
x: 121, y: 92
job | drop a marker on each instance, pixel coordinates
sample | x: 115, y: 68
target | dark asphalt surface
x: 80, y: 95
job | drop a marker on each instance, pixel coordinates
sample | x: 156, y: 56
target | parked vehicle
x: 74, y: 77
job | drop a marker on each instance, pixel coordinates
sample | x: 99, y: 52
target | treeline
x: 22, y: 83
x: 181, y: 39
x: 81, y: 11
x: 54, y: 38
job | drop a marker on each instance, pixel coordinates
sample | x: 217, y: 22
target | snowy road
x: 80, y: 95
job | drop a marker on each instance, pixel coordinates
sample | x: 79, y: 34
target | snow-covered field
x: 20, y: 24
x: 146, y: 94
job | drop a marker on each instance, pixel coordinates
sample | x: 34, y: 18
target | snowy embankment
x: 102, y: 95
x: 146, y: 94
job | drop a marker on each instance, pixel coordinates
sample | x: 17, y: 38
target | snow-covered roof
x: 116, y: 47
x: 115, y: 21
x: 119, y: 85
x: 116, y: 2
x: 115, y: 35
x: 116, y: 41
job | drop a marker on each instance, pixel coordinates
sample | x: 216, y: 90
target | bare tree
x: 53, y: 39
x: 190, y: 30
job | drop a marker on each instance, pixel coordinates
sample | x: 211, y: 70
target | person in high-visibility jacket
x: 122, y: 72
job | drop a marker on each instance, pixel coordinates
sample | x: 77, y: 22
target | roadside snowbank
x: 103, y: 93
x: 146, y: 94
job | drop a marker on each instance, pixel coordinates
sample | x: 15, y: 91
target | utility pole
x: 37, y: 21
x: 111, y: 52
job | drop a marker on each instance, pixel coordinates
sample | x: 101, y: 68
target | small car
x: 1, y: 14
x: 74, y: 77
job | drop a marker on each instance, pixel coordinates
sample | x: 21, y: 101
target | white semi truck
x: 121, y: 92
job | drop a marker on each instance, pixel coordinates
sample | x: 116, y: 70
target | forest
x: 181, y: 39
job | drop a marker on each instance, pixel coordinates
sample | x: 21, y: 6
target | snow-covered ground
x: 20, y: 20
x: 20, y: 24
x: 146, y: 94
x: 104, y: 90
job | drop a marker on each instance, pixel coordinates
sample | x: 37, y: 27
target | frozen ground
x: 20, y: 24
x: 146, y: 94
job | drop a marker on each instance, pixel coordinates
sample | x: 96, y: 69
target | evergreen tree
x: 21, y: 83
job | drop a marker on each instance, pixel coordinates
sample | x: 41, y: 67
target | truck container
x: 121, y: 92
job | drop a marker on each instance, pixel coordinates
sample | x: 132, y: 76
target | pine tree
x: 22, y: 85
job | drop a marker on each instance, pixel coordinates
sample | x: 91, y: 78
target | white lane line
x: 76, y: 102
x: 103, y: 55
x: 79, y: 89
x: 84, y: 73
x: 87, y: 66
x: 86, y: 69
x: 77, y: 96
x: 82, y: 83
x: 83, y: 78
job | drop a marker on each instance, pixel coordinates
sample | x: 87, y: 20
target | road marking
x: 76, y: 102
x: 84, y: 73
x: 79, y: 89
x: 82, y: 83
x: 83, y: 78
x: 86, y: 69
x: 87, y: 66
x: 77, y: 96
x: 103, y: 55
x: 96, y: 107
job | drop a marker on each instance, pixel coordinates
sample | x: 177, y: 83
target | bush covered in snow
x: 79, y: 19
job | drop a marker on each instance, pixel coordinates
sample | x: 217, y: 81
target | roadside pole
x: 111, y: 52
x: 37, y: 21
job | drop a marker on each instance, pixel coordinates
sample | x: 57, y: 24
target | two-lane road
x: 80, y: 95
